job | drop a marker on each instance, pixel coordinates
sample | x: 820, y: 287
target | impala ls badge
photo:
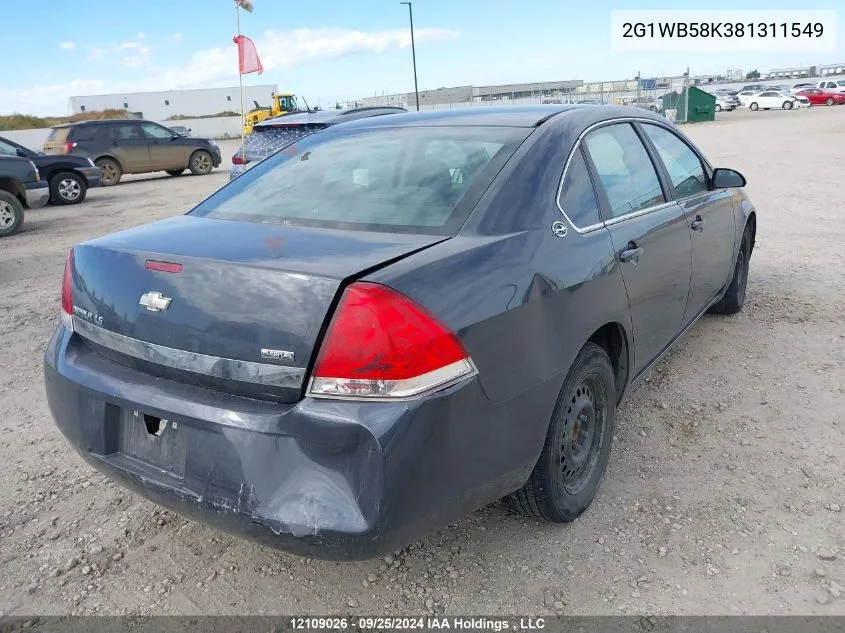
x: 154, y: 301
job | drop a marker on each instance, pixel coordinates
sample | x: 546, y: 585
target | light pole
x: 413, y: 53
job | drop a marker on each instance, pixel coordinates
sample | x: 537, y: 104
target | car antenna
x: 307, y: 109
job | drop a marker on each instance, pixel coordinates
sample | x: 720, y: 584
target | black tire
x: 734, y: 297
x: 754, y: 106
x: 571, y: 467
x: 200, y: 163
x: 175, y: 172
x: 11, y: 214
x: 111, y: 172
x: 787, y: 105
x: 829, y: 101
x: 67, y: 188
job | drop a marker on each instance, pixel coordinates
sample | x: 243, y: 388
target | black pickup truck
x: 69, y: 177
x: 20, y: 187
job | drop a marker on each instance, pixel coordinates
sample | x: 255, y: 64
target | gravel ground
x: 724, y: 494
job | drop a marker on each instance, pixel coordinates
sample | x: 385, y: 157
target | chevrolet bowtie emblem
x: 154, y: 301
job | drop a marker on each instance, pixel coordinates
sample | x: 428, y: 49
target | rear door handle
x: 631, y: 254
x: 697, y: 224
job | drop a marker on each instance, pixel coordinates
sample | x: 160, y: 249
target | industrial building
x: 160, y: 106
x: 469, y: 94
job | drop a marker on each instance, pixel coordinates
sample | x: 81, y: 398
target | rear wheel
x: 110, y: 172
x: 718, y: 108
x: 67, y: 188
x: 175, y: 172
x: 754, y: 106
x: 200, y: 163
x: 11, y: 214
x: 574, y: 458
x: 734, y: 297
x: 829, y: 101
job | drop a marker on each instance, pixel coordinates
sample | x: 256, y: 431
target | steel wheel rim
x: 202, y: 162
x: 7, y: 214
x: 585, y: 420
x: 69, y: 189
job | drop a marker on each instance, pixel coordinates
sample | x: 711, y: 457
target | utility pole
x: 413, y: 53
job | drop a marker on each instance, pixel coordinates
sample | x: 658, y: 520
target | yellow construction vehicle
x: 282, y: 104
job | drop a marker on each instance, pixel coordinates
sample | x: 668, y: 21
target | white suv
x: 832, y: 85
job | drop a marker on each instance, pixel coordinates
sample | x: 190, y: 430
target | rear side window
x: 421, y: 180
x: 685, y: 169
x: 577, y: 198
x: 83, y: 133
x: 624, y: 169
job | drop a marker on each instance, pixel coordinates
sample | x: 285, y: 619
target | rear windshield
x: 266, y: 139
x: 420, y: 179
x: 57, y: 134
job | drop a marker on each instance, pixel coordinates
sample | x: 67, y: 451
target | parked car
x: 181, y: 130
x: 396, y: 321
x: 69, y: 177
x: 753, y: 88
x: 271, y: 135
x: 21, y: 187
x: 820, y: 97
x: 801, y: 86
x: 832, y: 85
x: 126, y: 146
x: 726, y: 103
x: 769, y: 99
x: 649, y: 103
x: 743, y: 96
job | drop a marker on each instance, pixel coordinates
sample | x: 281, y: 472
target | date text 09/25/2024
x: 457, y: 623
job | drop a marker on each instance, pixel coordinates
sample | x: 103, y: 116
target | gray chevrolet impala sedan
x: 395, y: 321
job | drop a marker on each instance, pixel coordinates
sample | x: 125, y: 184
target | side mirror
x: 727, y: 179
x: 21, y: 152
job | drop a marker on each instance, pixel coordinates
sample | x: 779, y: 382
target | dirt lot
x: 724, y: 494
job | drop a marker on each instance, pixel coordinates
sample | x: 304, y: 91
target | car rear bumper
x: 37, y: 194
x: 321, y: 478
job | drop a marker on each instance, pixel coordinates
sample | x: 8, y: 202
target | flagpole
x: 241, y: 82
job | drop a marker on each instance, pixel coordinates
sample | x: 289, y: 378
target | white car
x: 769, y: 99
x: 832, y: 85
x: 744, y: 95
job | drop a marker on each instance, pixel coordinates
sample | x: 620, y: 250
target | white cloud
x: 177, y: 37
x: 67, y: 46
x: 141, y: 35
x: 215, y: 66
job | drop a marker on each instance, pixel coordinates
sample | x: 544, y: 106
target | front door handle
x: 631, y: 253
x: 697, y: 224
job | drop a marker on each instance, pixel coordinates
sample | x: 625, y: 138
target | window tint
x: 389, y: 179
x: 624, y: 169
x: 83, y: 132
x: 8, y: 150
x: 151, y: 130
x: 125, y: 131
x: 577, y: 197
x: 684, y: 167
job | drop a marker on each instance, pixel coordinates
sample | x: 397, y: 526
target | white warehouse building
x: 160, y: 106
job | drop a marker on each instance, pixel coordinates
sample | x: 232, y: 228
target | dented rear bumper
x: 321, y: 478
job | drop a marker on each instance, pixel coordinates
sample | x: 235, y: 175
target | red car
x: 819, y: 97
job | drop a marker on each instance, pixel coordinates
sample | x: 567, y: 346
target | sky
x: 333, y: 50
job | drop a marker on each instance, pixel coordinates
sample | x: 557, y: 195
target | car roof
x: 499, y: 116
x: 100, y: 122
x: 327, y: 116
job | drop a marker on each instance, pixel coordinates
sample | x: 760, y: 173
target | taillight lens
x: 67, y: 292
x: 381, y: 344
x: 69, y: 147
x: 239, y: 159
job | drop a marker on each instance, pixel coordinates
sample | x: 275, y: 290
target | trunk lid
x: 269, y: 138
x: 246, y: 309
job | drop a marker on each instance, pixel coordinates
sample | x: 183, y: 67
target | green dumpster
x: 702, y: 105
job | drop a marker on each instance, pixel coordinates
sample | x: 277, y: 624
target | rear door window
x: 624, y: 169
x: 125, y: 131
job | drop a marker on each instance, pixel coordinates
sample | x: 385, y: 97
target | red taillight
x: 163, y: 267
x: 67, y: 292
x: 380, y: 344
x: 239, y: 159
x: 69, y: 147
